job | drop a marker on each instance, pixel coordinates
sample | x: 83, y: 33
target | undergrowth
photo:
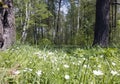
x: 24, y: 64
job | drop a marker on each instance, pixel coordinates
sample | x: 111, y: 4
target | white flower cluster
x: 113, y: 64
x: 41, y: 55
x: 67, y: 77
x: 39, y: 73
x: 97, y: 72
x: 66, y: 66
x: 114, y: 72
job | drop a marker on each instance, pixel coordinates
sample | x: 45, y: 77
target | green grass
x: 24, y: 64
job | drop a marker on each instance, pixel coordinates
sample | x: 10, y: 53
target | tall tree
x: 101, y: 32
x: 58, y: 23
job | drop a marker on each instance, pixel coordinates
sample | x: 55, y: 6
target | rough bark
x: 7, y: 23
x: 101, y: 32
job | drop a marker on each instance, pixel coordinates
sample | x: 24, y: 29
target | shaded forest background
x: 60, y: 22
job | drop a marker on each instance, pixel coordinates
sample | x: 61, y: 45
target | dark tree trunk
x: 101, y: 32
x: 35, y: 33
x: 57, y: 35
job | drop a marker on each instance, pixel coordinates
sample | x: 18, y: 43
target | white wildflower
x: 84, y: 58
x: 101, y: 56
x: 113, y: 64
x: 66, y: 66
x: 30, y: 69
x: 67, y: 77
x: 27, y: 69
x: 65, y: 55
x: 92, y: 82
x: 30, y: 62
x: 114, y: 72
x: 18, y: 48
x: 15, y: 72
x: 97, y: 72
x: 85, y: 66
x: 24, y: 70
x: 73, y: 63
x: 79, y: 62
x: 50, y: 53
x: 39, y: 73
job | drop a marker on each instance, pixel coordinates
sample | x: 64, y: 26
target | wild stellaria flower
x: 114, y: 72
x: 101, y: 56
x: 30, y: 62
x: 79, y: 62
x: 66, y: 66
x: 27, y: 69
x: 73, y: 63
x: 97, y: 72
x: 85, y: 66
x: 113, y: 64
x: 84, y: 58
x: 39, y: 73
x: 30, y: 69
x: 67, y: 77
x: 18, y: 48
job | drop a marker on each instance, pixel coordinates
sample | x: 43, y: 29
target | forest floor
x: 24, y: 64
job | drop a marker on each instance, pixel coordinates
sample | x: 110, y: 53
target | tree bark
x: 57, y: 34
x: 7, y: 23
x: 101, y: 32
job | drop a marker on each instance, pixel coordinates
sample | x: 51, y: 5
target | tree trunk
x: 26, y: 23
x: 101, y: 32
x: 7, y: 23
x: 57, y: 34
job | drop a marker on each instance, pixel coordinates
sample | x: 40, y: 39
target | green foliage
x: 45, y: 42
x: 30, y: 15
x: 84, y: 34
x: 27, y: 65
